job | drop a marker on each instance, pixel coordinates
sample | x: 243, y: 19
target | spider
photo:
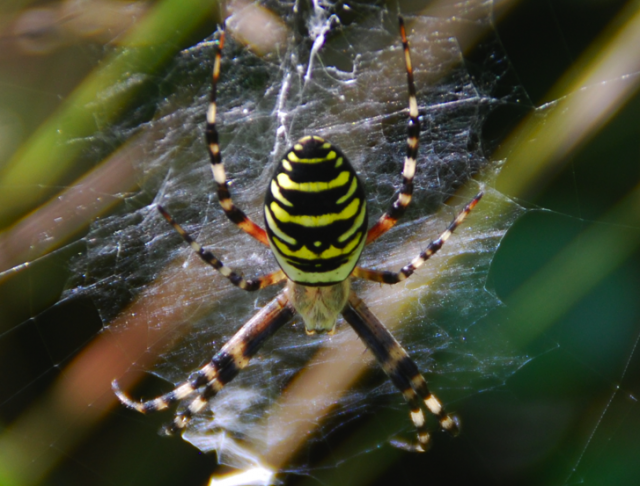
x: 315, y: 215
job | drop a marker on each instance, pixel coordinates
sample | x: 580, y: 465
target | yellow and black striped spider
x: 315, y: 213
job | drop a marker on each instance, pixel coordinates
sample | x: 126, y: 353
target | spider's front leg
x: 235, y: 214
x: 399, y: 206
x: 222, y: 368
x: 400, y: 369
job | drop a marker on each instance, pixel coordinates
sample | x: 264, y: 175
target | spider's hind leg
x: 400, y: 369
x: 222, y: 368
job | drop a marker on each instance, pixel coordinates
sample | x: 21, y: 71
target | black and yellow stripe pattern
x: 316, y: 214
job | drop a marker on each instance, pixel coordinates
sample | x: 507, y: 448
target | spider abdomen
x: 316, y: 214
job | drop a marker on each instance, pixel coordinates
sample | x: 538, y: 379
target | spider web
x: 352, y: 90
x: 360, y: 106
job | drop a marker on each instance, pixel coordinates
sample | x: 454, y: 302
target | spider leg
x: 222, y: 368
x: 398, y: 207
x: 211, y: 135
x: 211, y: 259
x: 388, y: 277
x: 400, y: 369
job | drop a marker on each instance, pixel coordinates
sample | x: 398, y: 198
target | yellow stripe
x: 275, y: 191
x: 359, y: 220
x: 305, y: 254
x: 285, y: 182
x: 277, y: 231
x: 314, y: 221
x: 294, y: 158
x: 352, y: 189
